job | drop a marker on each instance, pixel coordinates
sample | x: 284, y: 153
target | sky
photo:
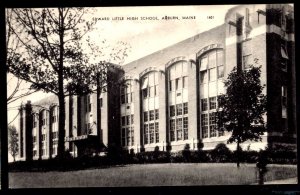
x: 144, y: 36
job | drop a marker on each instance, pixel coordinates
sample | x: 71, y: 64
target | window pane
x: 151, y: 127
x: 145, y: 116
x: 204, y: 104
x: 220, y: 57
x: 212, y: 74
x: 212, y: 60
x: 178, y: 83
x: 156, y: 132
x: 179, y: 128
x: 156, y: 114
x: 204, y: 125
x: 220, y: 72
x: 172, y: 130
x: 123, y: 120
x: 151, y: 115
x: 172, y: 73
x: 172, y: 110
x: 212, y: 103
x: 185, y: 108
x: 145, y: 83
x: 179, y: 109
x: 185, y: 127
x: 145, y: 93
x: 203, y: 76
x: 151, y: 79
x: 146, y: 134
x: 212, y: 124
x: 203, y: 63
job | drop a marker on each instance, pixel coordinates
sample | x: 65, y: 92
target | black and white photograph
x: 144, y: 96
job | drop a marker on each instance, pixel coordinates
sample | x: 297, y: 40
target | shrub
x: 221, y: 153
x: 186, y: 153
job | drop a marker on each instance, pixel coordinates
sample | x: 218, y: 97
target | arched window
x: 178, y: 101
x: 150, y: 108
x: 211, y: 74
x: 127, y: 114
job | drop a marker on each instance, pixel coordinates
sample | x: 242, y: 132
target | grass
x: 176, y: 174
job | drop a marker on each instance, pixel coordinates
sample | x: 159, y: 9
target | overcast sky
x: 143, y: 36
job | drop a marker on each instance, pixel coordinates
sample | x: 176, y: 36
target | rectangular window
x: 284, y: 101
x: 132, y: 136
x: 128, y: 141
x: 212, y: 60
x: 170, y: 86
x: 156, y: 132
x: 145, y: 93
x: 220, y: 72
x: 185, y: 128
x: 146, y: 135
x: 212, y: 124
x: 204, y: 125
x: 156, y: 114
x: 123, y: 137
x: 220, y: 58
x: 127, y: 120
x: 172, y: 110
x: 151, y: 113
x: 247, y: 61
x: 145, y: 116
x: 185, y: 108
x: 185, y: 82
x: 203, y: 63
x: 179, y: 128
x: 34, y: 139
x: 212, y: 103
x: 151, y: 128
x: 203, y: 76
x: 132, y: 121
x: 204, y: 104
x: 123, y: 120
x: 179, y: 109
x: 123, y: 100
x: 212, y: 74
x: 178, y: 83
x: 172, y: 129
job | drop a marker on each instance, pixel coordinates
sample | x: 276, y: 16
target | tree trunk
x: 61, y: 97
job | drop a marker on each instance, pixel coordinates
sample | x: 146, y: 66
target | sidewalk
x: 293, y: 180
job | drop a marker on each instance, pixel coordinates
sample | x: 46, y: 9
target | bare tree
x: 15, y: 91
x: 55, y: 60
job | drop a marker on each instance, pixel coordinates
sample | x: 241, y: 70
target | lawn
x: 175, y: 174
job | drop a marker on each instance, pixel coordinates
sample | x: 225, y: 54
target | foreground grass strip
x: 177, y: 174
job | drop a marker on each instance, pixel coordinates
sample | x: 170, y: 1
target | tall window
x: 284, y: 101
x: 150, y: 107
x: 127, y: 128
x: 210, y: 75
x: 126, y: 93
x: 127, y: 114
x: 178, y: 101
